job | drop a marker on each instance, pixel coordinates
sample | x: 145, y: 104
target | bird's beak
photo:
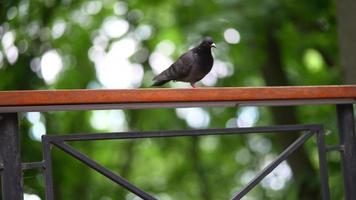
x: 213, y: 45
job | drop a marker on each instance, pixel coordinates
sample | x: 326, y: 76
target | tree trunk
x: 274, y: 75
x: 346, y: 16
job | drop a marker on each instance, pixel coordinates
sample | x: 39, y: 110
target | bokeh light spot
x: 232, y: 36
x: 51, y: 65
x: 115, y: 27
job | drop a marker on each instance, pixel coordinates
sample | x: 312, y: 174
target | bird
x: 191, y: 66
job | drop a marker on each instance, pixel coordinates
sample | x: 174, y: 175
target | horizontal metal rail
x: 32, y: 165
x: 280, y: 129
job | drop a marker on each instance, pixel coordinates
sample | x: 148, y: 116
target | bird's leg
x: 193, y: 85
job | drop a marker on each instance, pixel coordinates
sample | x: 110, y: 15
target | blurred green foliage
x: 75, y: 36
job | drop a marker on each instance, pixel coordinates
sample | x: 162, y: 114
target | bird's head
x: 208, y: 42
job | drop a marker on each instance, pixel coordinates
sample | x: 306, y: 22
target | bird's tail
x: 161, y: 79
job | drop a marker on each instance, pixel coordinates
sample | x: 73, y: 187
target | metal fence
x: 308, y: 131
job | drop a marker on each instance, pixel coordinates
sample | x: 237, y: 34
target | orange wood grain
x: 156, y: 95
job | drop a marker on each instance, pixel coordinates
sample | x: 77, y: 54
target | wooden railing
x: 47, y: 100
x: 13, y: 102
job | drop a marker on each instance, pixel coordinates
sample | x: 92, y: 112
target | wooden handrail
x: 62, y: 98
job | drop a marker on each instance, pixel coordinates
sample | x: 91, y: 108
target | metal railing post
x: 347, y: 135
x: 10, y: 158
x: 47, y: 164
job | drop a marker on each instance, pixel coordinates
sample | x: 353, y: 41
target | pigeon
x: 190, y: 67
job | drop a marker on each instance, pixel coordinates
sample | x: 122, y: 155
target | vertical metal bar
x: 324, y: 176
x: 347, y: 135
x: 10, y: 157
x: 47, y: 163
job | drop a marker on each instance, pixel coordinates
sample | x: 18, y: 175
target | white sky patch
x: 101, y: 41
x: 259, y: 144
x: 33, y: 117
x: 51, y: 65
x: 232, y: 36
x: 92, y: 7
x: 231, y: 123
x: 247, y: 177
x: 96, y: 54
x: 23, y: 8
x: 115, y: 27
x: 109, y: 120
x: 1, y: 59
x: 126, y: 47
x: 247, y: 116
x: 178, y: 84
x: 166, y: 47
x: 194, y: 117
x: 160, y: 59
x: 278, y: 178
x: 36, y: 66
x: 10, y: 50
x: 11, y: 13
x: 120, y: 8
x: 131, y: 196
x: 159, y: 62
x: 143, y: 32
x: 8, y: 39
x: 114, y: 70
x: 58, y: 29
x: 37, y: 125
x: 33, y: 28
x: 243, y: 156
x: 164, y: 196
x: 210, y: 79
x: 27, y: 196
x: 209, y: 143
x: 123, y: 74
x: 80, y: 17
x: 220, y: 69
x: 12, y: 53
x: 37, y: 130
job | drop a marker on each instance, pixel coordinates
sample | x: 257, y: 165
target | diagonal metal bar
x: 323, y: 165
x: 280, y: 129
x: 283, y: 156
x: 99, y: 168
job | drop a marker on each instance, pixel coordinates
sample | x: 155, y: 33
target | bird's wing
x: 183, y: 65
x: 178, y: 70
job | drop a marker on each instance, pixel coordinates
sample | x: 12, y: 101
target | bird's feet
x: 193, y: 85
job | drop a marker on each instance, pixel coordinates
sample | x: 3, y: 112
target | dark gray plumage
x: 190, y: 67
